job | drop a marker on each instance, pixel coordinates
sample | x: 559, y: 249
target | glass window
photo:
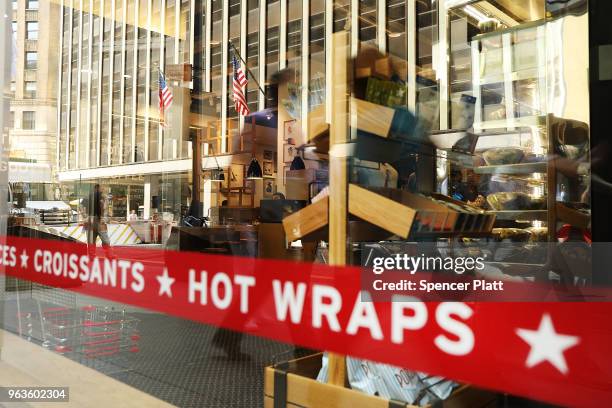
x: 28, y: 120
x: 14, y: 25
x: 31, y: 60
x: 317, y: 54
x: 367, y: 22
x: 32, y: 4
x: 427, y: 82
x: 32, y: 30
x: 252, y: 53
x: 233, y: 123
x: 141, y: 90
x: 11, y: 123
x: 14, y: 4
x: 29, y: 89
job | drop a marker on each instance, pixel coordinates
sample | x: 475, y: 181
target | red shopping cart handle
x: 114, y: 348
x: 89, y: 323
x: 102, y: 354
x: 101, y: 333
x: 62, y: 349
x: 114, y: 339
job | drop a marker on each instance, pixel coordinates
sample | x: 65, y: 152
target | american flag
x: 239, y: 82
x: 165, y: 97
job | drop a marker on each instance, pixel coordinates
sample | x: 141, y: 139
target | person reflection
x: 95, y: 226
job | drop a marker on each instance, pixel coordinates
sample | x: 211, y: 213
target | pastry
x: 503, y: 155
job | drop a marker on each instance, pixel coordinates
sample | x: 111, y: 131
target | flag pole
x: 247, y: 68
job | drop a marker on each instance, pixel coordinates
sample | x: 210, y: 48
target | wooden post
x: 338, y: 172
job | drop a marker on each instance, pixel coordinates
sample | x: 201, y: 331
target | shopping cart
x: 89, y: 332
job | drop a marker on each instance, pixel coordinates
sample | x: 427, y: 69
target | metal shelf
x: 524, y: 74
x: 518, y: 168
x: 512, y: 122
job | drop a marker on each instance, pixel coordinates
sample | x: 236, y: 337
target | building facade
x: 113, y: 51
x: 33, y: 106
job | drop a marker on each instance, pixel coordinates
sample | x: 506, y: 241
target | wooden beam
x: 371, y: 117
x: 306, y: 220
x: 381, y: 211
x: 338, y: 172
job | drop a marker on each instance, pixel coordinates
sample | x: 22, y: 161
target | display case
x: 501, y: 80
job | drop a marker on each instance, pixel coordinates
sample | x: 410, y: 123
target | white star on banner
x: 547, y: 345
x: 165, y: 283
x: 24, y: 259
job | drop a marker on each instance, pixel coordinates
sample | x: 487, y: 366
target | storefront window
x: 417, y: 201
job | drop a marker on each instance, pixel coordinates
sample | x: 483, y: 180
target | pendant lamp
x: 254, y: 171
x: 298, y: 163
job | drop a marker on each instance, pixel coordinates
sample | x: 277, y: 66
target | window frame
x: 28, y: 62
x: 29, y: 32
x: 28, y: 93
x: 27, y: 122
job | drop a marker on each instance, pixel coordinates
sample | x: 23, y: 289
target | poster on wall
x: 269, y: 187
x: 289, y: 153
x: 286, y: 168
x: 291, y: 132
x: 268, y: 168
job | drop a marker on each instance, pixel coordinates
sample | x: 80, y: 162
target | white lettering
x: 226, y: 300
x: 286, y: 298
x: 329, y: 310
x: 364, y: 315
x: 200, y: 286
x: 465, y: 344
x: 401, y: 322
x: 244, y: 282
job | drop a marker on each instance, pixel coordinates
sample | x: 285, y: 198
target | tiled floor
x: 178, y: 362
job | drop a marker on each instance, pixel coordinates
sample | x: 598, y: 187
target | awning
x: 47, y: 205
x: 23, y: 172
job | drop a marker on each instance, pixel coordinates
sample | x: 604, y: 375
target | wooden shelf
x: 574, y: 217
x: 307, y: 220
x: 520, y: 215
x: 295, y: 382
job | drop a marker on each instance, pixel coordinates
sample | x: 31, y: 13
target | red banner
x: 555, y: 352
